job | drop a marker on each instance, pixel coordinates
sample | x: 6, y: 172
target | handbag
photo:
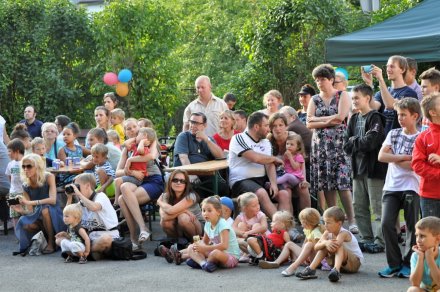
x: 38, y: 244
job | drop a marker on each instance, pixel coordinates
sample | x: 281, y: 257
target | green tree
x: 140, y: 35
x: 46, y: 48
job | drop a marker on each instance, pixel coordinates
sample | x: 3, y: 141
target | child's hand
x: 288, y: 155
x: 332, y: 245
x: 62, y: 234
x: 431, y: 253
x: 416, y: 249
x: 434, y: 158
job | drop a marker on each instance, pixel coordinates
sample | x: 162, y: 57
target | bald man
x: 206, y: 103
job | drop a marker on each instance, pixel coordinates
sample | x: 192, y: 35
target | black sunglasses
x: 177, y: 180
x: 28, y: 166
x: 195, y: 122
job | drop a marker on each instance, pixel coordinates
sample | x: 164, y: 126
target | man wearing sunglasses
x: 206, y: 103
x: 195, y: 146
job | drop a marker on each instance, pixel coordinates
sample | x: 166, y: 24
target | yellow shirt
x: 120, y: 130
x: 313, y: 235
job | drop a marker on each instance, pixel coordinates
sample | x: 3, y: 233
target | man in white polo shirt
x: 251, y: 165
x: 206, y: 103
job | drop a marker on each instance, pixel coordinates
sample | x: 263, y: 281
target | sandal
x: 82, y: 260
x: 69, y: 259
x: 353, y: 229
x: 144, y: 236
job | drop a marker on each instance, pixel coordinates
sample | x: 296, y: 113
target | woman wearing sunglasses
x: 180, y: 212
x: 43, y: 213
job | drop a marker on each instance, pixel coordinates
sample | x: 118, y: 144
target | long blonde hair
x: 38, y: 162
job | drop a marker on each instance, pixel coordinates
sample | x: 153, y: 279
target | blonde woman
x: 224, y: 135
x: 272, y: 100
x: 43, y: 213
x: 50, y: 134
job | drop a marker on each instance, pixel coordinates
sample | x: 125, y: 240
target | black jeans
x: 392, y: 202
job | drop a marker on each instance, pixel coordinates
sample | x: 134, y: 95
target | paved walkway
x: 49, y: 273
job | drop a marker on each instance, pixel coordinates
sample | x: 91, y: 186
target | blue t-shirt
x: 426, y: 279
x: 215, y: 237
x: 197, y: 151
x: 391, y: 115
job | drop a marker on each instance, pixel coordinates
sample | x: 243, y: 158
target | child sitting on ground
x: 104, y: 173
x: 113, y: 137
x: 227, y: 209
x: 338, y: 245
x: 75, y: 242
x: 310, y: 221
x: 117, y: 117
x: 219, y: 246
x: 425, y: 261
x: 16, y: 153
x: 139, y: 147
x: 269, y: 246
x: 294, y: 168
x: 250, y: 221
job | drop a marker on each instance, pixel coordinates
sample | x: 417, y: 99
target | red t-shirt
x: 141, y: 166
x: 223, y: 143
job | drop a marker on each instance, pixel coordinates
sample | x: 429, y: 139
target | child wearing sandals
x: 294, y: 167
x: 219, y: 246
x: 338, y: 246
x: 75, y: 242
x: 250, y: 221
x: 313, y: 230
x: 268, y: 246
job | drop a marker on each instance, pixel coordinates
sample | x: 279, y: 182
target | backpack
x: 122, y: 249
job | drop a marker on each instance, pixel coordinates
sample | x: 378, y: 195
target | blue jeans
x: 430, y: 207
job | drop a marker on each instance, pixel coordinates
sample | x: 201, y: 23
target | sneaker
x: 334, y: 275
x: 244, y: 259
x: 404, y: 272
x: 362, y: 246
x: 176, y: 254
x: 82, y: 260
x: 268, y: 265
x: 165, y: 252
x: 209, y: 267
x: 296, y: 236
x: 69, y: 259
x: 389, y: 272
x: 307, y: 273
x: 135, y: 247
x: 193, y: 264
x: 253, y: 261
x: 374, y: 248
x: 325, y: 266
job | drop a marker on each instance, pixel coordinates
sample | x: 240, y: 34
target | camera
x: 69, y: 189
x: 367, y: 69
x: 14, y: 201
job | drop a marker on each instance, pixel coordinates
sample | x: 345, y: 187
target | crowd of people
x: 377, y: 151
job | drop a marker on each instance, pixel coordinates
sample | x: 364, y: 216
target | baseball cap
x: 307, y: 89
x: 227, y: 202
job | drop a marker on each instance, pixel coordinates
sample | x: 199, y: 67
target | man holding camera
x: 98, y: 215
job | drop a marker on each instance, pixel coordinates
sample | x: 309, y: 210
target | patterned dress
x: 329, y: 167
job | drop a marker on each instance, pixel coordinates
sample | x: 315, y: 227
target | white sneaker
x: 135, y: 247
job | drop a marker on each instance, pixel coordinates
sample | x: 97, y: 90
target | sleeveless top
x: 38, y: 193
x: 73, y: 153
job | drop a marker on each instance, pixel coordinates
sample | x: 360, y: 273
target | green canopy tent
x: 414, y: 33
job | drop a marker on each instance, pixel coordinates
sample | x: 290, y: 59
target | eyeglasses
x: 337, y: 81
x: 28, y: 166
x: 49, y: 131
x: 178, y: 180
x: 195, y: 122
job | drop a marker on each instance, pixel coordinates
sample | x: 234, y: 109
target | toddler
x: 16, y: 153
x: 117, y: 117
x: 75, y: 242
x: 104, y: 173
x: 250, y: 221
x: 337, y: 245
x: 294, y: 168
x: 425, y: 262
x: 310, y: 221
x: 113, y: 137
x: 139, y: 147
x: 39, y: 148
x: 219, y: 246
x: 227, y: 209
x: 269, y: 246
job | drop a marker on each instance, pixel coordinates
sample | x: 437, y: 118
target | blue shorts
x: 153, y: 185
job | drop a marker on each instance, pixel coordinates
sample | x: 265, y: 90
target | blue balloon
x: 124, y: 75
x: 343, y: 71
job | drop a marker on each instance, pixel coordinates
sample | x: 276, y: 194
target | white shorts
x: 74, y: 247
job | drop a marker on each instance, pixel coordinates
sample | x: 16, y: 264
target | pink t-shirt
x: 251, y: 221
x: 299, y: 173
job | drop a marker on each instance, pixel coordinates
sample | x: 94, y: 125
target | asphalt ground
x: 50, y: 273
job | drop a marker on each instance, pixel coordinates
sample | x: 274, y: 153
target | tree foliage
x: 46, y: 46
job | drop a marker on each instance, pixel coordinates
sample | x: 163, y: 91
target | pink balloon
x: 110, y: 78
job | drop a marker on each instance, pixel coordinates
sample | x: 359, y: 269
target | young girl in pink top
x: 250, y: 221
x: 293, y: 163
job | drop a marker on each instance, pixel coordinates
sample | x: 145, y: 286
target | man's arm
x: 215, y: 150
x: 259, y: 158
